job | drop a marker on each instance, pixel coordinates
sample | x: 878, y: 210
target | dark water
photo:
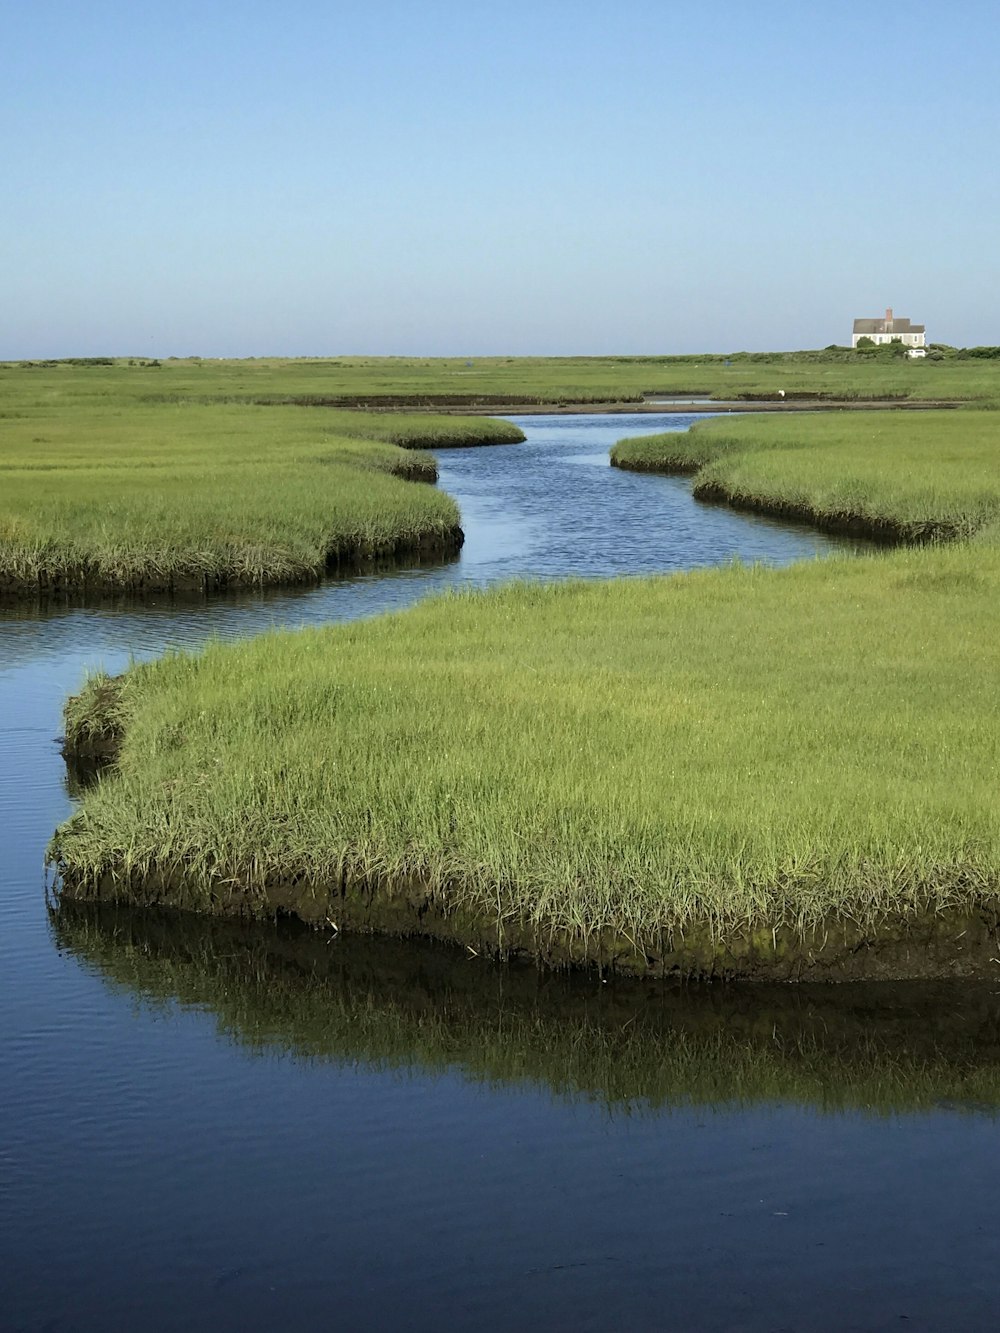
x: 211, y: 1126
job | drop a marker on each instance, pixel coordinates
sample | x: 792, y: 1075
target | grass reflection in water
x: 385, y: 1004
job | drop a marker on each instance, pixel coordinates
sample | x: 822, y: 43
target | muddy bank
x: 790, y: 403
x: 485, y: 404
x: 886, y: 531
x: 83, y: 583
x: 420, y: 402
x: 656, y: 467
x: 928, y: 946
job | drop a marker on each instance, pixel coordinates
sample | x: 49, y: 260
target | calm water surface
x: 211, y: 1126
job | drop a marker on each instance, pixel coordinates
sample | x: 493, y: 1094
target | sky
x: 443, y: 178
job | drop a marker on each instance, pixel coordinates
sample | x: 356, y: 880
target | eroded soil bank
x: 885, y: 531
x: 695, y: 406
x: 932, y: 946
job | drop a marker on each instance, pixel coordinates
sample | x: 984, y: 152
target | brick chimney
x: 888, y: 319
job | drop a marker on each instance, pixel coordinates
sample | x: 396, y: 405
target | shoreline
x: 923, y: 945
x: 932, y: 945
x: 88, y: 585
x: 882, y: 531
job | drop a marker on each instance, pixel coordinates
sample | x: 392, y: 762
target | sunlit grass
x: 732, y: 748
x: 914, y: 476
x: 722, y: 753
x: 498, y: 380
x: 143, y: 496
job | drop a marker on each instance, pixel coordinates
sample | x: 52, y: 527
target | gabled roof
x: 870, y: 326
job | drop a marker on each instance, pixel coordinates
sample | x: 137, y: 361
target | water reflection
x: 405, y: 1005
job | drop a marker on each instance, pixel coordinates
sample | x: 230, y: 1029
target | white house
x: 888, y: 330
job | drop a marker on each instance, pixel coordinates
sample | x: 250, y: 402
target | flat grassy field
x: 115, y: 496
x: 912, y: 477
x: 725, y: 751
x: 486, y: 381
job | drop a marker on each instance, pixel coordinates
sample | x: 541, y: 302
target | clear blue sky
x: 222, y: 178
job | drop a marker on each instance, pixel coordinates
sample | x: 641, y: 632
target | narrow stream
x: 212, y: 1126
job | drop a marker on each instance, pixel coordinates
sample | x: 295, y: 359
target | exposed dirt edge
x: 478, y: 404
x: 415, y: 468
x: 956, y: 943
x: 717, y: 407
x: 886, y: 530
x: 663, y: 467
x: 878, y: 529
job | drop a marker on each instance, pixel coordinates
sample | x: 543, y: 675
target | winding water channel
x: 205, y: 1125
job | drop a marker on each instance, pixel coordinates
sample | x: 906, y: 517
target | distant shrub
x: 890, y: 351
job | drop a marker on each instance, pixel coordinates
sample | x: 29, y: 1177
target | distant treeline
x: 88, y: 362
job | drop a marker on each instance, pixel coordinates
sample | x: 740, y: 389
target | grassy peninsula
x: 125, y: 496
x: 907, y: 478
x: 702, y: 772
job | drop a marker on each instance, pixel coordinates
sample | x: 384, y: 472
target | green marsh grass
x: 498, y: 380
x: 148, y: 496
x: 733, y: 749
x: 930, y: 475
